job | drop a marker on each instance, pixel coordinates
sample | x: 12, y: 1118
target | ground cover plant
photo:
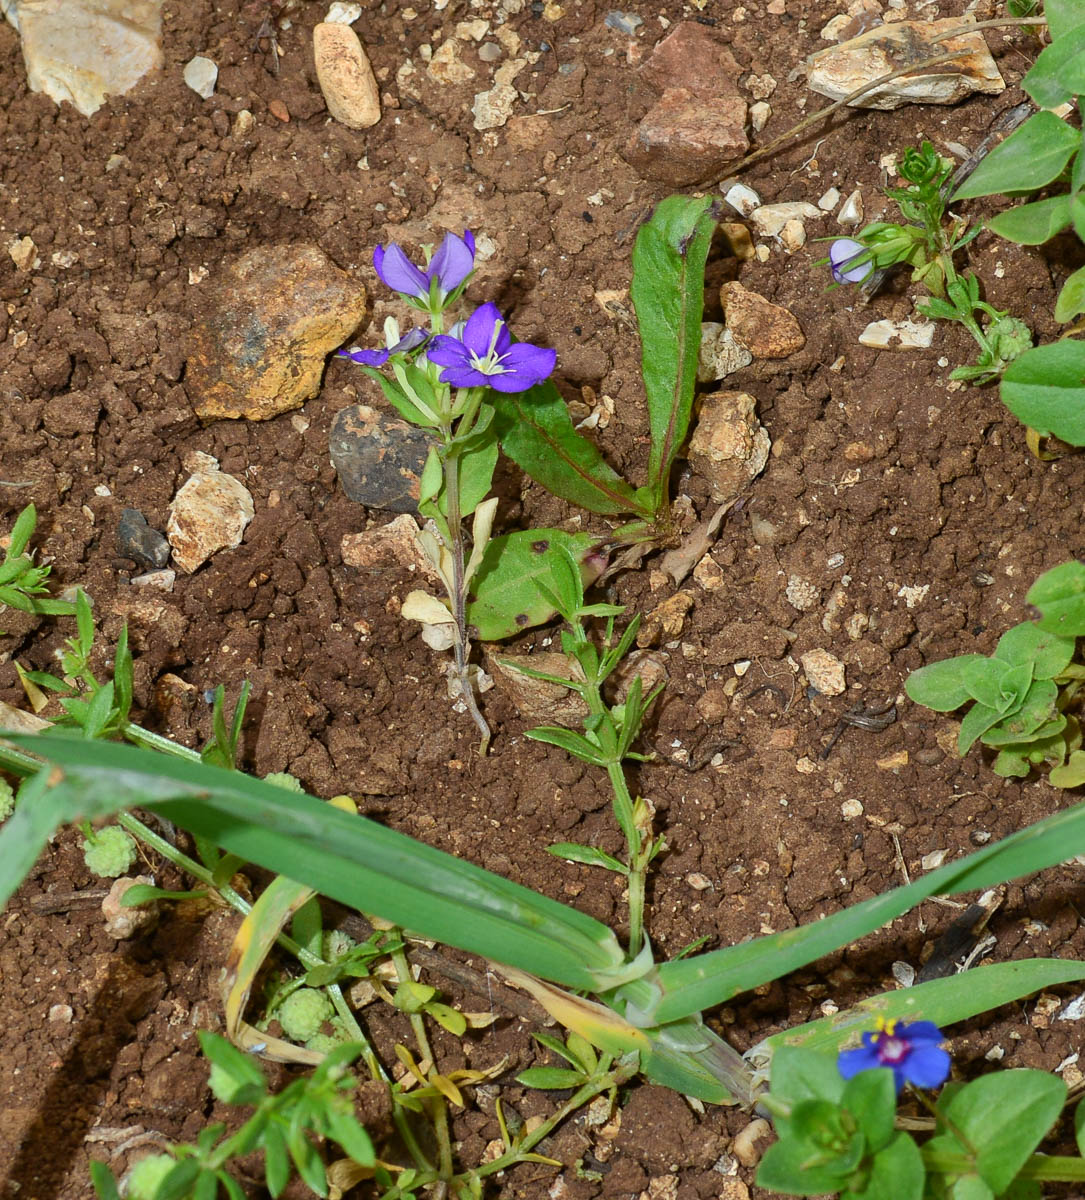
x: 342, y: 688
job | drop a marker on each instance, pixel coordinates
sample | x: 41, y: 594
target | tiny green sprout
x: 109, y: 852
x: 303, y: 1012
x: 284, y: 780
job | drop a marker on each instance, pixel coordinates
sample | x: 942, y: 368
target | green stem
x: 458, y: 594
x: 1041, y: 1167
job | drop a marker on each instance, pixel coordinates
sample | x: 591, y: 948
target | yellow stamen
x: 888, y: 1027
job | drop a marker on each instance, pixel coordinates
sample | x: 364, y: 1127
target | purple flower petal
x: 365, y: 358
x: 851, y: 1062
x: 927, y: 1066
x: 454, y: 260
x: 410, y: 340
x: 446, y: 351
x: 522, y: 367
x: 463, y: 376
x: 398, y: 272
x: 478, y: 333
x: 843, y: 252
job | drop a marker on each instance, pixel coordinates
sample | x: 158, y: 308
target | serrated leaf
x: 1029, y: 159
x: 537, y: 433
x: 506, y: 588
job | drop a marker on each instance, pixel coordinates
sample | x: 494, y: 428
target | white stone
x: 729, y: 447
x: 720, y: 355
x: 898, y: 335
x: 831, y: 32
x: 83, y: 50
x: 769, y: 219
x: 801, y: 593
x: 208, y: 514
x: 851, y: 212
x: 493, y: 108
x: 851, y: 809
x: 342, y: 13
x: 824, y: 671
x: 742, y: 199
x: 447, y: 67
x: 829, y: 200
x: 201, y: 75
x: 932, y: 861
x: 161, y: 581
x: 24, y: 254
x: 759, y: 115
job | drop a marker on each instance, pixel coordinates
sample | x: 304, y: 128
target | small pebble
x: 851, y: 809
x: 930, y: 756
x: 346, y: 79
x: 138, y: 541
x: 201, y: 75
x: 745, y: 1146
x: 278, y: 110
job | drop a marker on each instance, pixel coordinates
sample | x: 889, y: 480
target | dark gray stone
x: 138, y: 541
x: 378, y: 457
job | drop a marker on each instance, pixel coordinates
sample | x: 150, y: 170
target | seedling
x: 1023, y: 698
x: 927, y: 244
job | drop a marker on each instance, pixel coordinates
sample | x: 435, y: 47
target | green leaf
x: 102, y: 1178
x: 1071, y: 299
x: 537, y: 433
x: 1058, y: 74
x: 178, y: 1183
x: 276, y: 1159
x: 506, y: 596
x: 786, y: 1168
x: 346, y: 857
x: 996, y: 684
x: 351, y: 1135
x: 550, y: 1077
x: 1045, y: 389
x: 941, y: 685
x: 399, y: 400
x: 232, y: 1072
x: 871, y: 1098
x: 476, y: 467
x: 897, y: 1171
x: 573, y: 852
x: 1033, y: 224
x: 977, y: 721
x: 1004, y: 1117
x: 1029, y: 159
x: 1036, y: 709
x: 1059, y: 594
x: 568, y: 740
x: 1028, y: 642
x: 448, y: 1018
x: 801, y: 1074
x: 1062, y: 16
x: 669, y: 259
x: 943, y: 1001
x: 1071, y: 774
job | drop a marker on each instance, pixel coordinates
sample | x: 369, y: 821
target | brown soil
x: 877, y: 466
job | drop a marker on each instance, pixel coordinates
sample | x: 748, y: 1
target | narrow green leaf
x: 1029, y: 159
x: 1035, y: 223
x: 550, y: 1078
x: 276, y: 1159
x: 399, y: 400
x: 669, y: 259
x: 1003, y: 1117
x: 476, y: 474
x: 104, y: 1183
x: 351, y: 1136
x: 571, y: 742
x: 1045, y: 389
x: 573, y: 852
x: 21, y: 532
x: 537, y: 433
x: 347, y: 858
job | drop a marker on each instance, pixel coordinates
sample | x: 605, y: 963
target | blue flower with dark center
x: 484, y: 355
x: 394, y: 344
x: 912, y: 1051
x: 842, y: 254
x: 450, y: 266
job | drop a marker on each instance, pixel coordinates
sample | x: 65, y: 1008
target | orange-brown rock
x: 260, y: 346
x: 767, y: 330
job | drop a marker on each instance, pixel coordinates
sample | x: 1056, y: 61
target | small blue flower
x: 450, y: 266
x: 394, y: 344
x: 842, y: 253
x: 484, y: 355
x: 912, y: 1051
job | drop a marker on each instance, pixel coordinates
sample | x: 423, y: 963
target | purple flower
x: 912, y: 1051
x: 842, y: 253
x: 484, y: 355
x: 450, y: 266
x: 393, y: 342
